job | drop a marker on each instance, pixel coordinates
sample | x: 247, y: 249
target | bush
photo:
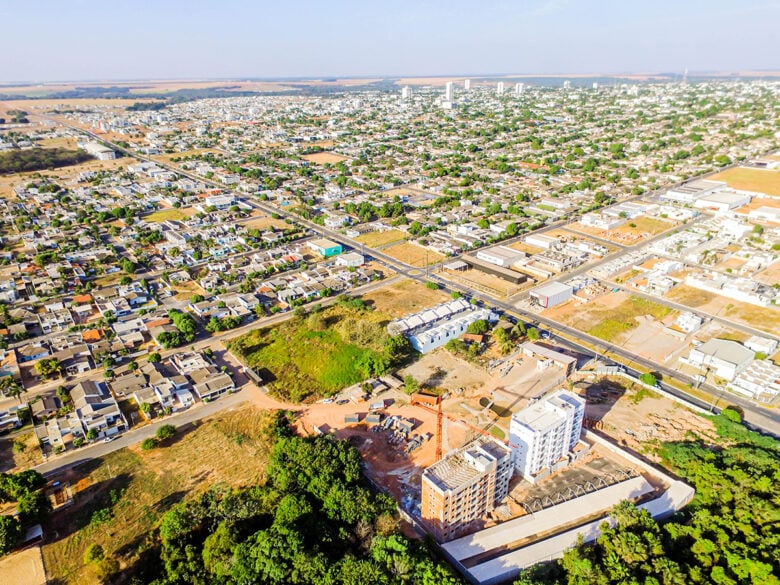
x: 166, y: 432
x: 94, y: 553
x: 647, y: 378
x: 148, y: 444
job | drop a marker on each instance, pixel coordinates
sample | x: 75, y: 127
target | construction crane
x: 424, y: 401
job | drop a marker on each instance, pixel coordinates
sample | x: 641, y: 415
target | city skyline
x: 347, y: 39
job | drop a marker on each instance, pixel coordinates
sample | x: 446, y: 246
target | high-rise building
x: 567, y: 85
x: 500, y: 88
x: 467, y: 85
x: 464, y: 486
x: 519, y: 88
x: 449, y: 92
x: 406, y: 92
x: 543, y: 434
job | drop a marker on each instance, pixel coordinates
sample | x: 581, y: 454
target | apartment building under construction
x: 464, y: 486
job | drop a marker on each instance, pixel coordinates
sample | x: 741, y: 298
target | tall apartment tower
x: 467, y: 85
x: 500, y: 88
x: 464, y: 486
x: 519, y: 88
x: 449, y: 92
x: 406, y: 93
x: 543, y: 434
x: 567, y: 85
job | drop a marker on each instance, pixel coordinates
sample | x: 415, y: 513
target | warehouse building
x: 552, y: 294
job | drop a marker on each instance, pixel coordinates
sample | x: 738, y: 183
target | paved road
x: 62, y: 462
x: 757, y: 416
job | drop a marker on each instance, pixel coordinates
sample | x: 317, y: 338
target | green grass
x: 497, y: 432
x: 623, y: 317
x: 317, y: 356
x: 643, y: 393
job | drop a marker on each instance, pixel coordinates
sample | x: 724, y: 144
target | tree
x: 47, y: 366
x: 432, y: 285
x: 411, y: 385
x: 165, y: 432
x: 532, y: 333
x: 10, y: 534
x: 92, y: 434
x: 478, y: 327
x: 148, y: 444
x: 154, y: 358
x: 11, y: 387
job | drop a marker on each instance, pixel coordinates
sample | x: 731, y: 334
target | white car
x: 108, y: 439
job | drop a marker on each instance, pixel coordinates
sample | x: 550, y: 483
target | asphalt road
x: 58, y: 463
x: 758, y: 417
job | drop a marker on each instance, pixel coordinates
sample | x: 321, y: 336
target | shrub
x: 166, y: 432
x: 94, y: 553
x: 647, y: 378
x: 148, y: 444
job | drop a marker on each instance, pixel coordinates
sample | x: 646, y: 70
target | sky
x: 83, y: 40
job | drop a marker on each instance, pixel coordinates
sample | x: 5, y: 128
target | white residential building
x: 723, y: 357
x: 544, y: 433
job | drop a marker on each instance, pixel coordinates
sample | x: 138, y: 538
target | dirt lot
x: 764, y: 318
x: 266, y: 222
x: 19, y: 452
x: 770, y: 275
x: 23, y: 568
x: 404, y: 297
x: 321, y: 158
x: 379, y: 239
x: 441, y: 369
x: 492, y: 285
x: 758, y: 180
x: 639, y: 418
x: 644, y: 228
x: 413, y: 255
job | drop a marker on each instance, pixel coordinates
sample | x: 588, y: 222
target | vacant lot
x: 623, y: 318
x: 169, y: 214
x: 482, y: 281
x: 764, y: 318
x: 316, y: 355
x: 19, y: 452
x: 761, y: 181
x: 321, y: 158
x: 266, y: 222
x: 378, y: 239
x: 404, y: 297
x: 413, y: 255
x: 135, y: 488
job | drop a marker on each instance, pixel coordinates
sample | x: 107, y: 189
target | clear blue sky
x: 45, y: 40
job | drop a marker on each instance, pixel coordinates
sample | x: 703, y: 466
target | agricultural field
x: 120, y: 498
x: 413, y: 255
x: 319, y: 354
x: 758, y: 180
x: 378, y: 239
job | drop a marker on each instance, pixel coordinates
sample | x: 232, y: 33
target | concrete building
x: 500, y: 88
x: 543, y: 434
x: 552, y: 294
x: 722, y: 201
x: 99, y: 151
x: 759, y: 381
x: 406, y: 93
x: 325, y: 248
x: 449, y: 92
x: 467, y: 85
x: 519, y: 88
x: 464, y: 486
x: 723, y: 357
x: 500, y: 255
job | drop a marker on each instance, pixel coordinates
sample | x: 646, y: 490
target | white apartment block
x: 544, y: 433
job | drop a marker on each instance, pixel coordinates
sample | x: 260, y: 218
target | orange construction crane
x: 425, y: 401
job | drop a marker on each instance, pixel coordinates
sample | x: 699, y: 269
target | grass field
x: 622, y: 318
x: 166, y: 214
x: 761, y: 181
x: 376, y: 239
x: 145, y: 485
x: 413, y: 254
x: 316, y: 355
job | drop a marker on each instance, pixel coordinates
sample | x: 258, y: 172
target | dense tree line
x: 187, y: 329
x: 728, y: 535
x: 36, y: 159
x: 33, y: 506
x: 314, y: 522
